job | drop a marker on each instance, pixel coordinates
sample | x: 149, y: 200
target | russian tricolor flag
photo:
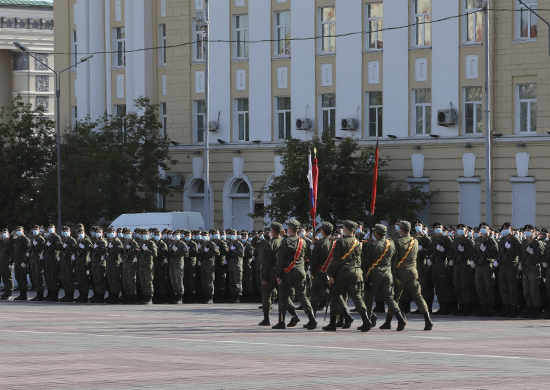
x: 313, y: 177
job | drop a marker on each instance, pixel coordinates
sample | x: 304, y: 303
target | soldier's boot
x: 147, y: 300
x: 387, y: 324
x: 340, y: 321
x: 235, y: 299
x: 312, y: 324
x: 131, y: 300
x: 193, y: 298
x: 367, y: 325
x: 536, y: 312
x: 48, y: 296
x: 331, y: 327
x: 480, y: 310
x: 266, y: 321
x: 114, y: 300
x: 39, y: 296
x: 428, y: 325
x: 22, y: 297
x: 527, y: 312
x: 348, y: 320
x: 54, y: 297
x: 7, y: 296
x: 69, y: 297
x: 379, y: 308
x: 545, y: 315
x: 513, y: 313
x: 464, y: 310
x: 503, y: 311
x: 83, y: 298
x: 400, y: 322
x: 455, y: 308
x: 179, y: 299
x: 99, y: 299
x: 293, y: 321
x: 281, y: 324
x: 373, y: 319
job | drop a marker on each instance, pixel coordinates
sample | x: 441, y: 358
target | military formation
x: 472, y: 271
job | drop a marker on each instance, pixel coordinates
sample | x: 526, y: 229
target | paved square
x: 74, y: 346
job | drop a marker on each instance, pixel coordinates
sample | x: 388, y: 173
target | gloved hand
x: 224, y: 262
x: 507, y: 245
x: 311, y: 247
x: 58, y: 258
x: 419, y: 247
x: 95, y: 246
x: 199, y: 263
x: 81, y: 246
x: 451, y: 263
x: 473, y: 265
x: 42, y: 257
x: 73, y: 258
x: 102, y: 258
x: 23, y: 265
x: 429, y: 262
x: 520, y: 267
x: 545, y: 264
x: 253, y: 258
x: 110, y: 245
x: 127, y: 246
x: 48, y: 244
x: 165, y: 261
x: 89, y: 260
x: 65, y: 245
x: 206, y: 249
x: 144, y: 247
x: 440, y: 248
x: 34, y: 242
x: 461, y: 248
x: 483, y: 248
x: 530, y: 250
x: 10, y: 266
x: 232, y: 248
x: 495, y: 264
x: 135, y: 260
x: 27, y: 254
x: 308, y: 273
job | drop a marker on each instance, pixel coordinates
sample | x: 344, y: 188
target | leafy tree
x: 27, y: 155
x: 345, y: 185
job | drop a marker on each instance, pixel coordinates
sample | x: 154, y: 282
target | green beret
x: 405, y: 225
x: 276, y: 226
x: 327, y: 227
x: 350, y: 225
x: 380, y: 229
x: 294, y: 224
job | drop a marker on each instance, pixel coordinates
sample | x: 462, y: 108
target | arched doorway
x: 193, y: 197
x: 238, y: 203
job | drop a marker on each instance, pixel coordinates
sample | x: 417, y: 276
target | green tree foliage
x: 27, y: 155
x: 345, y: 185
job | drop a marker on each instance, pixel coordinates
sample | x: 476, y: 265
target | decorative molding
x: 418, y: 180
x: 469, y: 162
x: 530, y: 179
x: 476, y: 179
x: 418, y: 165
x: 238, y: 167
x: 198, y: 166
x: 522, y: 164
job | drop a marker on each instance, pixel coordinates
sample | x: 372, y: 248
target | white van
x: 171, y: 220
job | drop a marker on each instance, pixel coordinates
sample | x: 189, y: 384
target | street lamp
x: 85, y: 58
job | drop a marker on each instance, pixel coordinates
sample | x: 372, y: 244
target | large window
x: 527, y: 106
x: 200, y: 119
x: 422, y: 21
x: 328, y: 29
x: 282, y: 20
x: 283, y: 118
x: 375, y: 114
x: 162, y: 45
x: 423, y: 111
x: 74, y: 48
x: 473, y: 110
x: 375, y: 26
x: 242, y: 120
x: 119, y: 47
x: 198, y: 42
x: 527, y: 21
x: 241, y: 36
x: 328, y: 111
x: 474, y: 21
x: 163, y: 119
x: 120, y: 112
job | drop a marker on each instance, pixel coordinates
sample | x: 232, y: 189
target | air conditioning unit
x: 349, y: 124
x: 446, y: 117
x: 173, y: 181
x: 303, y: 124
x: 213, y: 126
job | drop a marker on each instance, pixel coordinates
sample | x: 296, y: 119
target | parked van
x: 171, y: 220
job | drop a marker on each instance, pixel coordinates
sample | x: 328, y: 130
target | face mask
x: 120, y: 235
x: 232, y: 237
x: 51, y: 230
x: 470, y: 234
x: 138, y: 236
x: 301, y: 235
x: 460, y: 232
x: 239, y: 237
x: 205, y: 238
x: 81, y: 236
x: 476, y: 235
x: 483, y: 231
x: 216, y: 236
x: 528, y: 234
x: 46, y: 234
x: 505, y: 232
x: 198, y: 237
x: 111, y: 235
x: 4, y: 235
x: 418, y: 229
x: 438, y: 231
x: 65, y: 234
x: 157, y: 238
x: 187, y: 238
x: 176, y: 238
x: 35, y: 232
x: 396, y: 228
x: 164, y: 236
x: 450, y: 233
x: 310, y: 235
x: 319, y: 236
x: 128, y: 236
x: 99, y: 235
x: 145, y: 237
x: 223, y: 237
x: 18, y: 233
x: 93, y: 234
x: 250, y: 239
x: 262, y: 237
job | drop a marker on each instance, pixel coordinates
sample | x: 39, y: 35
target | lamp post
x: 25, y: 49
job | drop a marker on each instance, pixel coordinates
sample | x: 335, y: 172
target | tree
x: 110, y: 166
x: 27, y: 155
x: 345, y: 185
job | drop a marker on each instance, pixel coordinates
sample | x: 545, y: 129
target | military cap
x: 405, y: 225
x: 80, y: 229
x: 35, y: 227
x: 109, y: 229
x: 327, y: 227
x: 65, y: 228
x: 484, y: 224
x: 528, y: 227
x: 360, y: 223
x: 276, y: 226
x: 244, y: 232
x: 450, y: 227
x: 418, y: 221
x: 380, y: 229
x: 506, y: 225
x: 204, y: 233
x: 5, y: 229
x: 294, y: 224
x: 253, y: 232
x: 397, y: 221
x: 437, y: 223
x: 350, y: 225
x: 460, y: 225
x: 80, y: 225
x: 19, y: 227
x: 543, y: 230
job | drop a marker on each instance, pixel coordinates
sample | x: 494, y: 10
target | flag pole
x: 374, y: 185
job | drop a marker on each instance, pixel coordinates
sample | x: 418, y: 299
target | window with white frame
x: 162, y: 45
x: 526, y: 21
x: 375, y: 114
x: 474, y: 21
x: 423, y: 111
x: 422, y: 22
x: 473, y: 110
x: 119, y: 47
x: 283, y: 118
x: 120, y: 112
x: 328, y: 113
x: 327, y: 24
x: 74, y: 48
x: 44, y: 102
x: 527, y: 107
x: 241, y: 36
x: 163, y: 119
x: 375, y: 25
x: 282, y: 20
x: 242, y: 120
x: 199, y: 47
x: 74, y: 115
x: 200, y: 118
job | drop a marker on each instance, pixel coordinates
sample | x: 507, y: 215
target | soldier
x: 6, y: 265
x: 161, y: 268
x: 68, y: 257
x: 36, y: 252
x: 424, y: 272
x: 21, y: 248
x: 509, y: 251
x: 485, y: 253
x: 235, y: 266
x: 52, y: 263
x: 209, y: 251
x: 220, y: 265
x: 130, y: 267
x: 463, y: 279
x: 290, y: 273
x: 82, y: 263
x: 531, y: 258
x: 99, y: 266
x: 395, y: 235
x: 256, y: 242
x: 321, y: 255
x: 179, y: 251
x: 546, y: 270
x: 113, y: 265
x: 146, y: 272
x: 441, y: 252
x: 190, y: 269
x: 248, y: 271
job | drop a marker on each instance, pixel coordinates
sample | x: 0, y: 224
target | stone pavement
x: 75, y: 346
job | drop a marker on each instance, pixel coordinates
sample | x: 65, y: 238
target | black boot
x: 465, y: 310
x: 367, y: 325
x: 513, y: 313
x: 55, y: 296
x: 281, y: 324
x: 400, y: 322
x: 99, y: 298
x: 545, y: 315
x: 387, y: 324
x: 536, y: 312
x: 503, y: 311
x: 83, y: 298
x: 7, y: 296
x: 48, y: 296
x: 293, y: 321
x: 527, y: 312
x: 379, y: 308
x: 235, y: 299
x: 178, y: 300
x: 312, y: 324
x: 147, y: 300
x: 69, y: 297
x: 331, y: 327
x: 428, y: 325
x: 348, y: 320
x: 340, y: 321
x: 22, y: 296
x: 373, y: 319
x: 39, y: 297
x: 266, y: 321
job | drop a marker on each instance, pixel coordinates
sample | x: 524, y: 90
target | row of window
x: 421, y: 113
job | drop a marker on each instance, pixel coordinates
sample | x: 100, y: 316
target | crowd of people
x: 472, y: 271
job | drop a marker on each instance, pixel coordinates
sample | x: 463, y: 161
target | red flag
x: 374, y: 180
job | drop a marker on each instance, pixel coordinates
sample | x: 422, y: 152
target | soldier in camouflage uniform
x: 99, y: 266
x: 532, y: 256
x: 323, y: 251
x: 190, y: 268
x: 161, y: 266
x: 442, y: 247
x: 485, y: 253
x: 68, y: 257
x: 507, y: 262
x: 463, y: 279
x: 52, y: 263
x: 36, y: 251
x: 209, y: 252
x: 113, y: 266
x: 6, y: 264
x: 248, y: 270
x: 21, y: 248
x: 424, y: 272
x: 220, y: 265
x: 235, y: 266
x: 84, y: 247
x: 179, y: 251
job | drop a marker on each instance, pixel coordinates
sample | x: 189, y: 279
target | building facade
x: 411, y: 72
x: 30, y: 23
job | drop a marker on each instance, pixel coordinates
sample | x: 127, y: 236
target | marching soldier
x: 68, y: 257
x: 290, y: 273
x: 235, y: 266
x: 507, y: 262
x: 52, y: 263
x: 146, y: 272
x: 161, y: 268
x: 220, y: 265
x: 82, y: 270
x: 424, y: 272
x: 99, y: 266
x: 190, y: 269
x: 463, y: 279
x: 441, y: 252
x: 248, y: 270
x: 113, y: 265
x: 531, y: 259
x: 209, y: 252
x: 6, y: 264
x: 180, y: 251
x: 485, y: 254
x: 36, y: 255
x: 546, y: 271
x: 130, y: 267
x: 21, y: 259
x: 323, y: 251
